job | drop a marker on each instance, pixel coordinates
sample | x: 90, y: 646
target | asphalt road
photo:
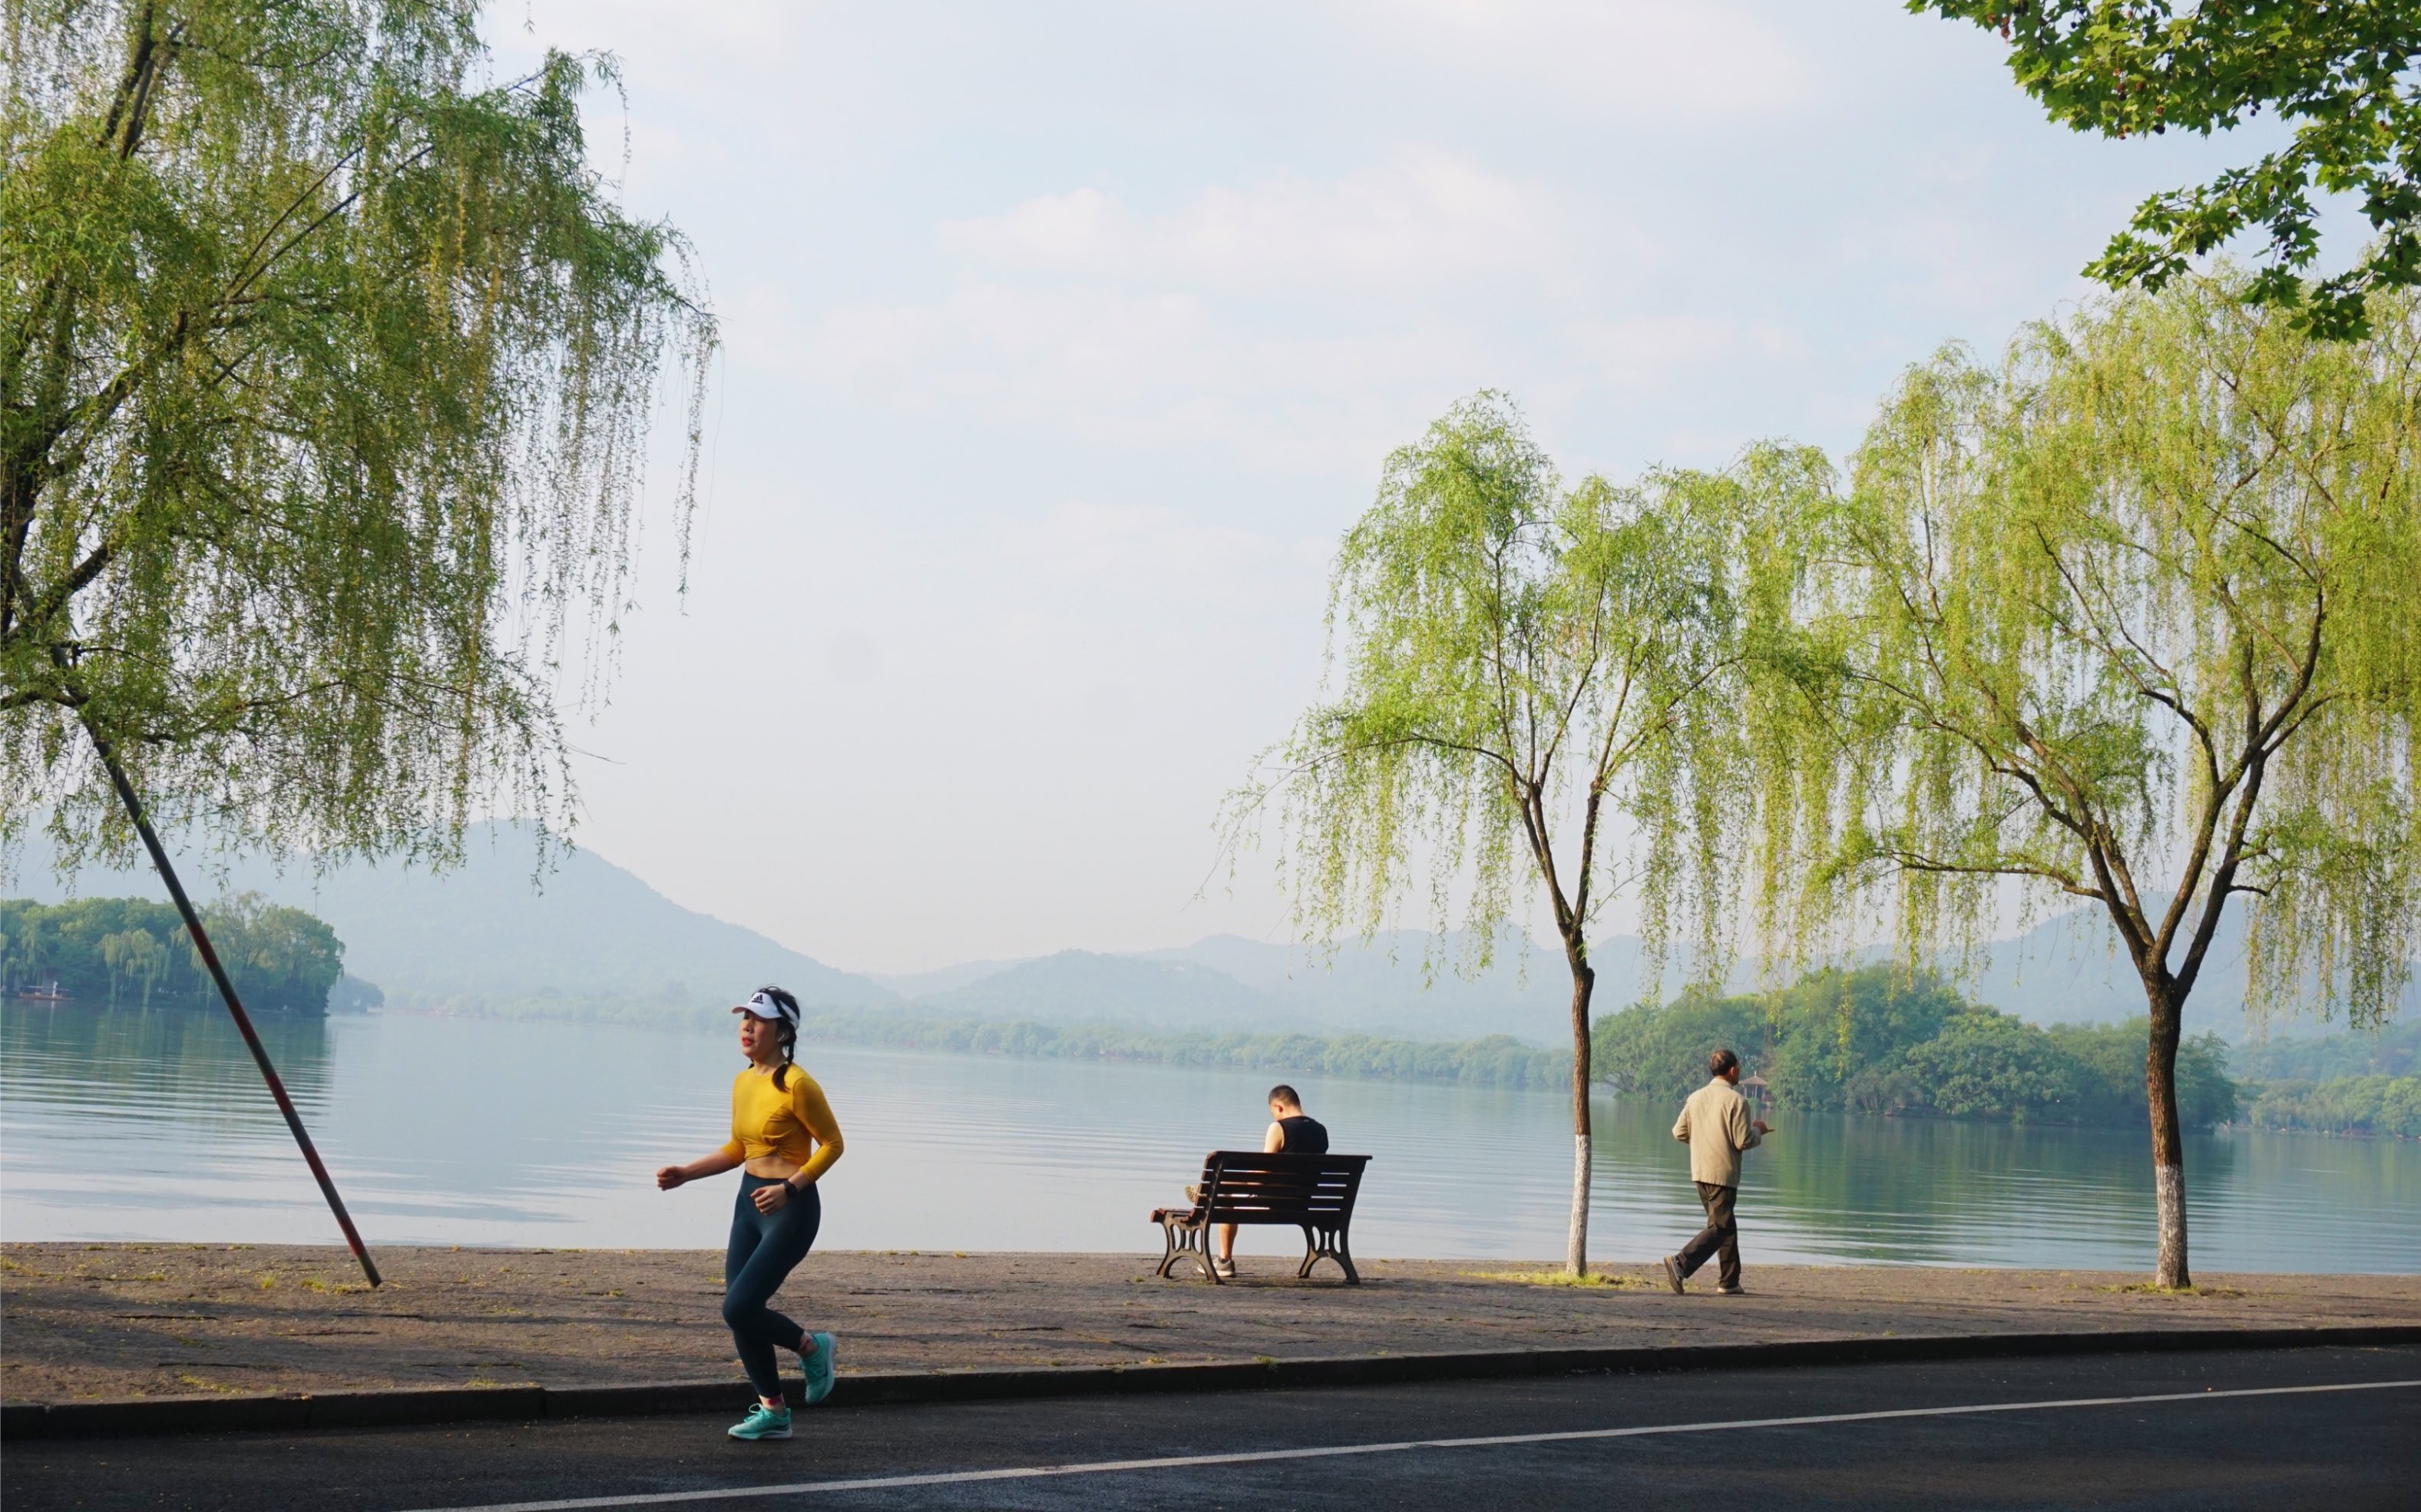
x: 1692, y: 1440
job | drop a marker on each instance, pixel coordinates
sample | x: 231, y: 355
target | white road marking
x: 1257, y: 1456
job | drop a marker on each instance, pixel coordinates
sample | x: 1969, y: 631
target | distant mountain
x: 2392, y: 1050
x: 1228, y: 982
x: 1385, y: 987
x: 1078, y: 987
x: 2064, y: 970
x: 2070, y: 969
x: 489, y: 934
x: 925, y: 984
x: 590, y: 936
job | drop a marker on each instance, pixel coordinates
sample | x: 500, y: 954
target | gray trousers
x: 1721, y: 1236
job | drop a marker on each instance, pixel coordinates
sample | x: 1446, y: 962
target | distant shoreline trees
x: 1496, y: 1060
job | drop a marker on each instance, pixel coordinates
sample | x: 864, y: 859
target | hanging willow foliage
x: 2135, y: 620
x: 1524, y: 665
x: 326, y: 373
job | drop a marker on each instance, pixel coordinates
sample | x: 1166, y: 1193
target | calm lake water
x: 127, y: 1125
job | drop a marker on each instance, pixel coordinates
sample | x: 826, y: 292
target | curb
x: 470, y: 1404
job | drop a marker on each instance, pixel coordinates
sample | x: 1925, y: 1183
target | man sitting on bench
x: 1292, y: 1132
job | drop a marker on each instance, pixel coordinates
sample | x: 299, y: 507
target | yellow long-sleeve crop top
x: 793, y: 1121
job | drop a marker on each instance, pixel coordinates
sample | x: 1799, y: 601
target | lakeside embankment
x: 88, y: 1322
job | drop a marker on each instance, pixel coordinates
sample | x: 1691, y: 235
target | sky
x: 1063, y: 341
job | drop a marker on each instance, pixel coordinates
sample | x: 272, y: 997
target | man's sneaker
x: 1226, y: 1269
x: 1673, y: 1274
x: 818, y: 1367
x: 1731, y: 1291
x: 763, y: 1422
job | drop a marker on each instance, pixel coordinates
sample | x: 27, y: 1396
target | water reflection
x: 126, y: 1124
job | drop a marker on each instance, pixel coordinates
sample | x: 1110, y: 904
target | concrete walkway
x: 118, y: 1321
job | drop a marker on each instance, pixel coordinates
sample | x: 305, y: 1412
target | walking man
x: 1715, y: 1124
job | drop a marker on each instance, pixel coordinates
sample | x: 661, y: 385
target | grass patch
x: 1594, y: 1281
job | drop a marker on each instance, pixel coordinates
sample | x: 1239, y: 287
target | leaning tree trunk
x: 1576, y: 1248
x: 2168, y: 1148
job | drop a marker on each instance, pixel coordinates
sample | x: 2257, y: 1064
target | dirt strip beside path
x: 81, y: 1323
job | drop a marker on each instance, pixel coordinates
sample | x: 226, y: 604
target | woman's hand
x: 769, y: 1200
x: 669, y: 1177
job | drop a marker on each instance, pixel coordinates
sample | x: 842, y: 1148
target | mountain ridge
x: 595, y: 935
x: 482, y: 936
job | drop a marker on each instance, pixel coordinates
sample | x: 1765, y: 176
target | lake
x: 122, y: 1124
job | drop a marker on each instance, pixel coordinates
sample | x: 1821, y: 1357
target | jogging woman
x: 783, y: 1137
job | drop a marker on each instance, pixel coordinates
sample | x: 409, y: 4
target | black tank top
x: 1304, y: 1136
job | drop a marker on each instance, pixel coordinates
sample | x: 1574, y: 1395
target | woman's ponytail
x: 787, y: 1028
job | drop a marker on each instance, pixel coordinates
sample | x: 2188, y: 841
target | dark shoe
x: 1731, y: 1291
x: 1673, y: 1273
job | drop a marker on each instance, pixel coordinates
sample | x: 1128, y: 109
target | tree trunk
x: 1584, y: 982
x: 2168, y: 1148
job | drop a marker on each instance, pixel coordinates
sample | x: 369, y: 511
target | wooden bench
x: 1313, y: 1193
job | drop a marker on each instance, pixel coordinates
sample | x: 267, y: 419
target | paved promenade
x: 103, y: 1321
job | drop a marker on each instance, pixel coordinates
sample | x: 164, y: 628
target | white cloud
x: 1142, y: 369
x: 1420, y: 220
x: 1290, y: 322
x: 1635, y: 354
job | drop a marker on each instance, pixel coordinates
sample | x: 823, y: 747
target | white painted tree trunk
x: 1576, y: 1250
x: 2169, y: 1182
x: 1584, y: 982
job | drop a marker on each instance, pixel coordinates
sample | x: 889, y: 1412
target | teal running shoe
x: 763, y: 1423
x: 818, y: 1367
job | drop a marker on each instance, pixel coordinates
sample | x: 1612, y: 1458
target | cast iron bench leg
x: 1168, y: 1238
x: 1329, y: 1244
x: 1187, y: 1244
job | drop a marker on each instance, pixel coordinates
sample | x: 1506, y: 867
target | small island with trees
x: 134, y: 952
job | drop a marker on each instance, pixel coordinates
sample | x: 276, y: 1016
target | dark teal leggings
x: 764, y: 1248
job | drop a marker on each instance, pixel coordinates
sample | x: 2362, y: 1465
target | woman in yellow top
x: 783, y: 1136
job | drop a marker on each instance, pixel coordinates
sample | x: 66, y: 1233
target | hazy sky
x: 1062, y: 341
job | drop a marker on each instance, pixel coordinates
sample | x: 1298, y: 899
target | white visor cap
x: 761, y: 1007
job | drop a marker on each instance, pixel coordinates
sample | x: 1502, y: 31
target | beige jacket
x: 1716, y: 1126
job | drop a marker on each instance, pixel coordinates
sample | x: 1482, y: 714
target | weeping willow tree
x: 2134, y: 619
x: 1521, y: 664
x: 326, y: 370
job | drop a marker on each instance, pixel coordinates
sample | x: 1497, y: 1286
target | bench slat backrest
x: 1245, y: 1185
